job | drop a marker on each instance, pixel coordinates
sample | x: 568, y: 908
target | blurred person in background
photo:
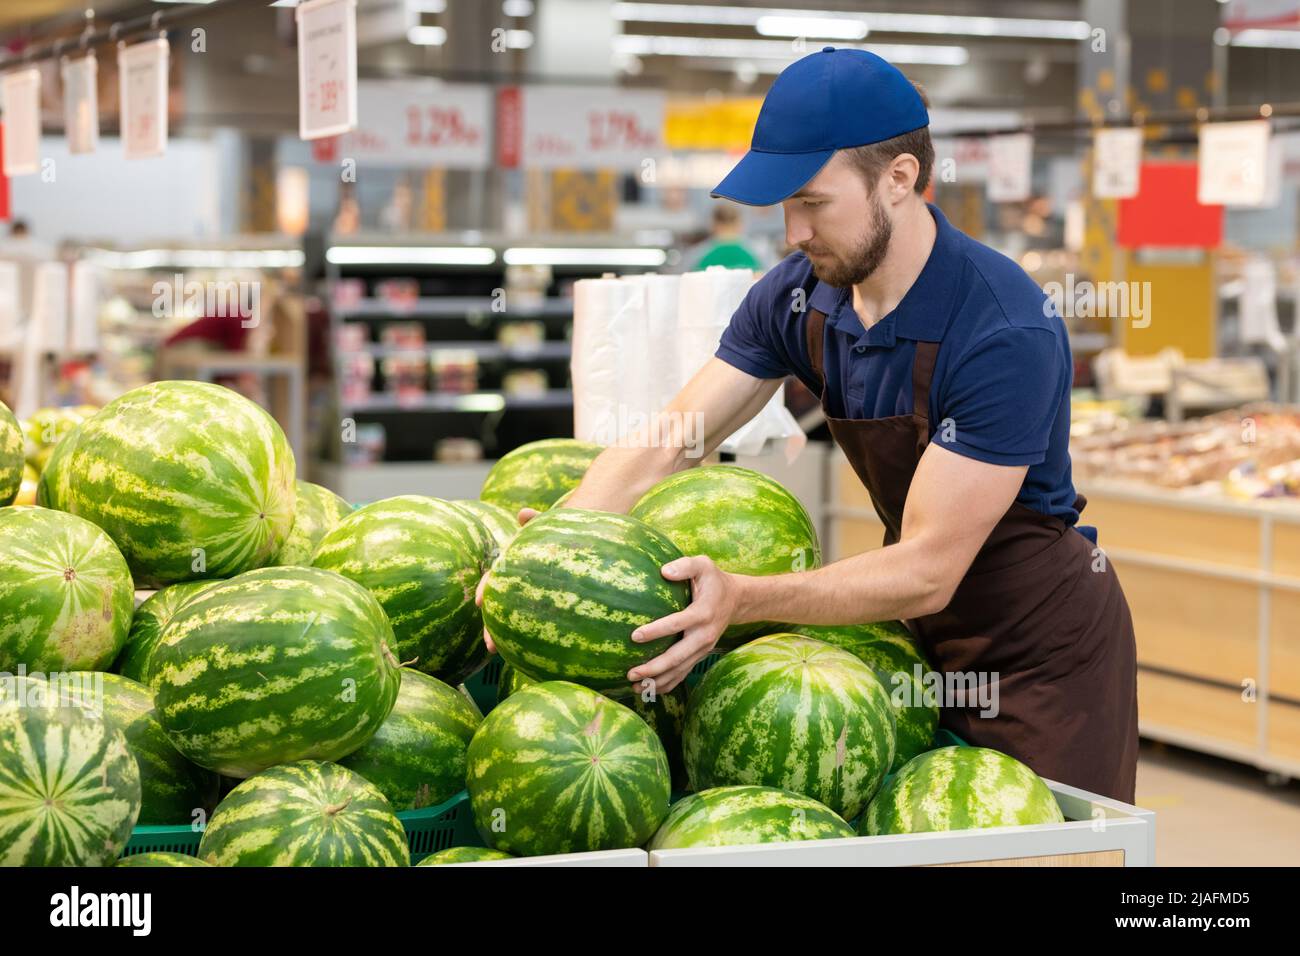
x: 725, y: 246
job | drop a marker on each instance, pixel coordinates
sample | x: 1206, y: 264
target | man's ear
x: 901, y: 176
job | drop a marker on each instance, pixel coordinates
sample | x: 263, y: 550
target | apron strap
x: 815, y: 337
x: 927, y: 355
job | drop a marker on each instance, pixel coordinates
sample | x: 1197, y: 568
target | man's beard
x: 865, y: 257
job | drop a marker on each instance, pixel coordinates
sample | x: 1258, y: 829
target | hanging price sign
x: 22, y: 106
x: 142, y: 80
x: 327, y: 67
x: 81, y: 104
x: 1116, y: 162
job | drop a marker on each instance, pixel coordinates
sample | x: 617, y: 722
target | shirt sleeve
x: 750, y: 341
x: 1003, y: 396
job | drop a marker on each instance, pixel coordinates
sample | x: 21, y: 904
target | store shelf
x: 365, y: 483
x: 470, y: 402
x: 449, y: 307
x: 483, y: 351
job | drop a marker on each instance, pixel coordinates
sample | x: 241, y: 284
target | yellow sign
x: 711, y: 124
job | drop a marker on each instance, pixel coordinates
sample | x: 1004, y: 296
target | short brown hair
x: 872, y: 159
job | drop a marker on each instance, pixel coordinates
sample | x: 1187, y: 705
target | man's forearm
x: 619, y: 477
x: 892, y: 583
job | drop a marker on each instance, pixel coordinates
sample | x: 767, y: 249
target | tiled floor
x: 1212, y: 812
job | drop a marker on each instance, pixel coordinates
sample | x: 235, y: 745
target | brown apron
x: 1032, y: 615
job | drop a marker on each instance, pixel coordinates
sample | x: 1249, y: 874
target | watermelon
x: 272, y: 666
x: 500, y: 522
x: 52, y: 487
x: 192, y: 480
x: 69, y: 787
x: 742, y: 815
x: 11, y: 456
x: 27, y: 491
x: 562, y: 601
x: 316, y: 511
x: 791, y: 712
x: 45, y: 429
x: 558, y: 768
x: 422, y: 559
x: 536, y: 474
x: 147, y: 627
x: 960, y: 788
x: 305, y: 813
x: 66, y: 595
x: 745, y: 521
x: 161, y: 858
x: 463, y: 854
x: 417, y: 757
x: 888, y: 649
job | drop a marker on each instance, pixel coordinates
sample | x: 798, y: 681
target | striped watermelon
x: 171, y: 788
x: 161, y: 858
x: 737, y: 816
x: 791, y: 712
x: 422, y: 559
x: 562, y: 601
x: 960, y: 788
x: 463, y: 854
x: 11, y: 456
x: 888, y: 649
x: 52, y: 487
x: 746, y: 522
x: 69, y: 787
x: 191, y: 480
x: 501, y: 522
x: 65, y: 592
x: 558, y: 768
x: 316, y: 511
x: 147, y: 627
x: 305, y: 813
x: 417, y: 757
x: 536, y: 474
x: 46, y: 428
x: 274, y: 665
x: 28, y: 489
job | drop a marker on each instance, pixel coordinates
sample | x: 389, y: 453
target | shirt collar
x: 925, y: 309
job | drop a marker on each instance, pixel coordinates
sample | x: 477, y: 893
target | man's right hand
x: 525, y: 515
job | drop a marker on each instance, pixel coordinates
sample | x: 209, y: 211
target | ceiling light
x: 517, y: 8
x: 779, y: 50
x: 821, y: 28
x: 411, y: 255
x: 543, y: 256
x: 1279, y: 39
x: 427, y: 36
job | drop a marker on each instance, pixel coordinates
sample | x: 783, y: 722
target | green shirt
x: 729, y: 253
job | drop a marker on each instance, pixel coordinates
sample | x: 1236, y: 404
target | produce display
x: 745, y: 521
x: 537, y: 474
x: 190, y: 480
x: 65, y: 592
x: 794, y: 713
x: 12, y: 460
x: 422, y: 559
x: 564, y: 597
x: 298, y: 667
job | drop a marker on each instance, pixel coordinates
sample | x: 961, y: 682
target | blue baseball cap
x: 835, y: 99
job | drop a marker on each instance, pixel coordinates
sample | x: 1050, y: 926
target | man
x: 946, y: 381
x: 726, y: 246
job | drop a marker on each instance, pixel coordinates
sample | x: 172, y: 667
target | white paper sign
x: 591, y: 127
x: 10, y: 319
x: 22, y: 119
x: 1116, y: 162
x: 1011, y: 167
x: 49, y: 321
x: 327, y: 67
x: 1233, y: 164
x: 81, y: 104
x: 422, y: 123
x: 142, y: 80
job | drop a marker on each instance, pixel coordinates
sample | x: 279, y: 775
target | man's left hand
x: 714, y: 599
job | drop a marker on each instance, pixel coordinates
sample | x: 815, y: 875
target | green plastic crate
x: 482, y: 684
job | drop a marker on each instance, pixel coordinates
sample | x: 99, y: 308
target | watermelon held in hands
x: 305, y: 813
x: 161, y: 858
x: 746, y: 522
x: 66, y: 595
x: 422, y: 559
x: 463, y: 854
x: 417, y: 757
x: 537, y: 474
x: 744, y: 815
x: 147, y: 627
x: 558, y: 768
x: 69, y: 787
x: 791, y: 712
x: 316, y: 511
x: 272, y: 666
x: 960, y: 788
x: 12, y: 458
x: 562, y: 601
x: 502, y: 523
x: 191, y: 480
x: 888, y: 649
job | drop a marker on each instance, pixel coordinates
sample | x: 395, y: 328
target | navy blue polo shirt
x: 1001, y: 387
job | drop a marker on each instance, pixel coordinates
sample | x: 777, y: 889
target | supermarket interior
x: 420, y: 236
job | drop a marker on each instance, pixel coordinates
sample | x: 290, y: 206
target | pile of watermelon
x: 292, y: 688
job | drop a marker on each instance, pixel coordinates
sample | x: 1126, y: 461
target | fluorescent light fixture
x: 518, y: 39
x: 410, y: 255
x: 778, y: 50
x: 1278, y: 39
x: 198, y: 258
x: 426, y: 6
x: 542, y: 256
x: 821, y: 28
x: 517, y: 8
x: 1032, y: 28
x: 427, y: 36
